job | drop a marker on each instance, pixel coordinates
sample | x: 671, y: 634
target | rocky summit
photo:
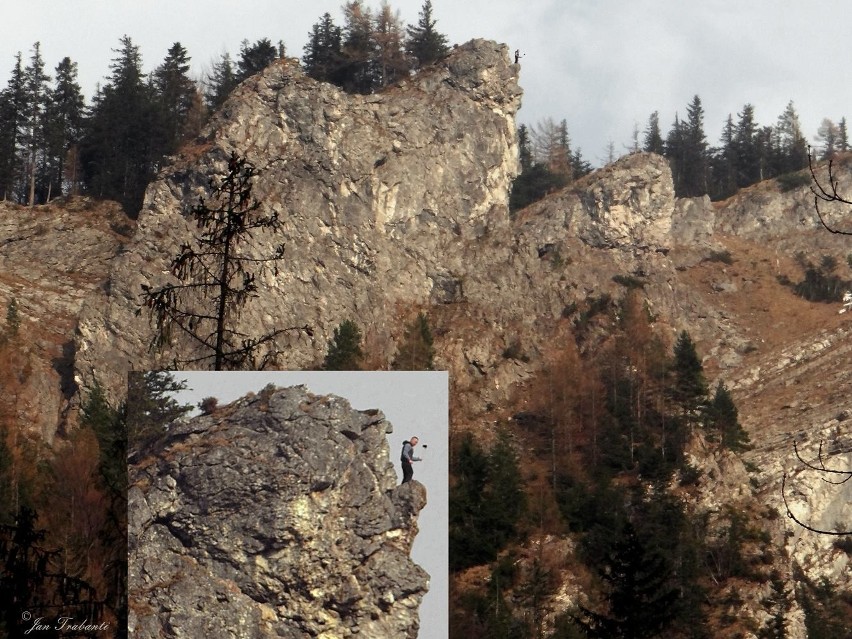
x: 275, y: 516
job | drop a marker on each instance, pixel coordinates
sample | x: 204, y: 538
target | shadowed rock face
x: 278, y: 515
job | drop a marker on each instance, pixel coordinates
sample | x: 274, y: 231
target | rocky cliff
x: 378, y: 195
x: 277, y: 515
x: 53, y: 258
x: 397, y: 202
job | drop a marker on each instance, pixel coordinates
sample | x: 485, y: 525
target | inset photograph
x: 291, y: 504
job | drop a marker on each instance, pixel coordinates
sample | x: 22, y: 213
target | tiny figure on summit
x: 518, y: 56
x: 407, y: 457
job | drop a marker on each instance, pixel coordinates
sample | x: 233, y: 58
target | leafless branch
x: 821, y: 468
x: 826, y: 193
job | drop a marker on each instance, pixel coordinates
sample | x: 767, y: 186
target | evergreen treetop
x: 425, y: 44
x: 344, y: 349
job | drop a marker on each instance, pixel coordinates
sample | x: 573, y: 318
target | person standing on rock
x: 407, y: 458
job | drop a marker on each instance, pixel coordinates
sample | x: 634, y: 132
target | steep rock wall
x: 377, y: 194
x: 52, y: 259
x: 277, y: 515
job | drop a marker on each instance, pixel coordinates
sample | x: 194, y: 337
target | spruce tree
x: 66, y: 117
x: 424, y: 43
x: 215, y: 276
x: 724, y: 165
x: 653, y: 140
x: 220, y: 82
x: 13, y: 320
x: 254, y: 58
x: 33, y: 125
x: 694, y: 168
x: 675, y: 147
x: 842, y: 137
x: 745, y: 143
x: 467, y: 534
x: 323, y: 54
x: 359, y: 45
x: 638, y: 592
x: 119, y: 153
x: 344, y: 350
x: 176, y: 97
x: 390, y: 63
x: 722, y: 415
x: 150, y: 406
x: 12, y: 113
x: 689, y: 387
x: 793, y: 148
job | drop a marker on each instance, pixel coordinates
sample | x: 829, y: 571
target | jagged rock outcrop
x: 377, y: 193
x: 276, y: 516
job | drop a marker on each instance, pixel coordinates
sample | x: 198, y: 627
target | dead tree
x: 216, y: 276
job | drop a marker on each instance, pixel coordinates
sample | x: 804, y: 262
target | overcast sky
x: 415, y: 404
x: 604, y: 65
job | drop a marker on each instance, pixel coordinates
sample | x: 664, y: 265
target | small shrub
x: 515, y: 351
x: 844, y: 544
x: 569, y: 310
x: 719, y: 256
x: 821, y: 283
x: 628, y: 281
x: 208, y: 405
x: 790, y: 181
x: 689, y: 474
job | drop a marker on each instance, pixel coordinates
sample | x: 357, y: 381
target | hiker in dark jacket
x: 407, y: 457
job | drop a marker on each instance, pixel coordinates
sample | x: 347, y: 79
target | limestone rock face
x: 377, y: 193
x: 52, y: 259
x: 277, y: 515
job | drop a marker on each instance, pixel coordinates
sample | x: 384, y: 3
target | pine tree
x: 215, y: 277
x: 344, y: 350
x: 66, y: 115
x: 220, y: 83
x: 254, y: 58
x: 150, y: 406
x: 424, y: 43
x: 34, y: 123
x: 323, y: 54
x: 653, y: 140
x: 176, y: 97
x: 689, y: 387
x: 636, y: 585
x: 416, y: 350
